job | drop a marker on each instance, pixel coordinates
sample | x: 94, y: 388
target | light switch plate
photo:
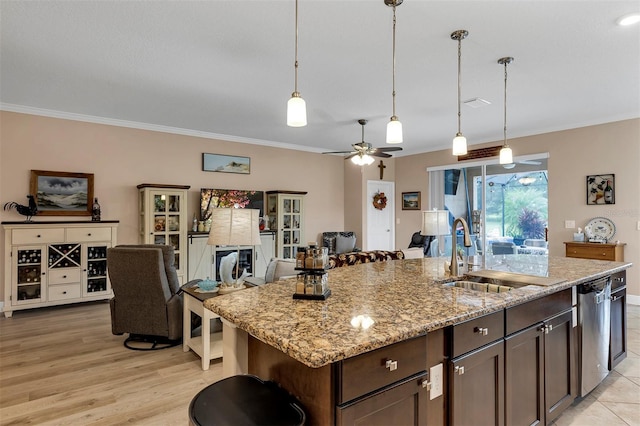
x: 638, y: 226
x: 569, y: 224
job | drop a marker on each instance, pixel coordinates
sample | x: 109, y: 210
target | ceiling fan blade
x: 379, y: 154
x: 340, y: 152
x: 390, y: 149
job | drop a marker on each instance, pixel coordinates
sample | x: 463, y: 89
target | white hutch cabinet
x: 163, y: 220
x: 286, y: 216
x: 55, y: 263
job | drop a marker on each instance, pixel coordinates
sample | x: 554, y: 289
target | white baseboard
x: 633, y: 300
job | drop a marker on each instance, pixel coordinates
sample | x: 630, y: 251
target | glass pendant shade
x: 362, y: 160
x: 394, y: 131
x: 506, y: 155
x: 459, y: 145
x: 296, y: 111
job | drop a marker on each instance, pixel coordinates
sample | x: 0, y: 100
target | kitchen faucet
x: 453, y: 268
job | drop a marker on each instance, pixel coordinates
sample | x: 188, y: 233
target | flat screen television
x: 211, y: 198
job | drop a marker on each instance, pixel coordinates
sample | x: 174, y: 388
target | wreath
x: 379, y: 200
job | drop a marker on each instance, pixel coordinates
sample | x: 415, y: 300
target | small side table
x: 208, y: 346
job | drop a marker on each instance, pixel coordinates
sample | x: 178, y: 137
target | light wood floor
x: 62, y: 366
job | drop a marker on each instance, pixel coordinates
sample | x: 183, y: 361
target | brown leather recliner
x: 147, y: 302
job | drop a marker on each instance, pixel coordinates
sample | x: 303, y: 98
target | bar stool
x: 244, y: 400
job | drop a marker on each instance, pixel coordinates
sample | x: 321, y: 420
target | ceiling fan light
x: 296, y: 111
x: 459, y: 145
x: 506, y: 155
x: 367, y: 159
x: 394, y: 131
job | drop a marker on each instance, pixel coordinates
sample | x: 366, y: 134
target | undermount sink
x: 490, y: 281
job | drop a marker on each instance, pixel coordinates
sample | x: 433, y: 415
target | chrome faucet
x: 453, y: 268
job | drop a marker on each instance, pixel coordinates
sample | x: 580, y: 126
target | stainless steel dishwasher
x: 594, y: 307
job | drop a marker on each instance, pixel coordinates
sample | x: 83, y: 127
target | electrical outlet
x: 435, y: 373
x: 569, y: 224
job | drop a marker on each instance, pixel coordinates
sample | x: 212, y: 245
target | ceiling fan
x: 363, y: 152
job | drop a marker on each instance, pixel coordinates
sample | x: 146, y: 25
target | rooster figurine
x: 28, y: 211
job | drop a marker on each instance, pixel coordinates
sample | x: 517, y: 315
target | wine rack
x: 96, y: 269
x: 64, y: 256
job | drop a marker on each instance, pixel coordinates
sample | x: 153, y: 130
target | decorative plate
x: 600, y: 228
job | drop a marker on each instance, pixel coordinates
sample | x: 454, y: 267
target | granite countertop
x: 403, y: 298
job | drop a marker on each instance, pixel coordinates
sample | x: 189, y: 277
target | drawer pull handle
x: 459, y: 370
x: 614, y: 298
x: 426, y: 384
x: 547, y: 328
x: 619, y: 279
x: 481, y: 331
x: 64, y: 276
x: 64, y: 292
x: 38, y: 236
x: 391, y: 365
x: 89, y: 234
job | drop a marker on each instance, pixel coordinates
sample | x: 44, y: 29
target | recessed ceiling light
x: 629, y: 19
x: 476, y: 103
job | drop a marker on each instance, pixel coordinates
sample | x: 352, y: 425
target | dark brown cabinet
x: 476, y: 386
x: 618, y: 342
x: 540, y: 362
x: 404, y: 403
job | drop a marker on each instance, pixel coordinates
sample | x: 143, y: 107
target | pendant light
x: 506, y: 155
x: 394, y: 127
x: 459, y: 142
x: 296, y: 107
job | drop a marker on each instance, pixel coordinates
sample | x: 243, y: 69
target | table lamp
x: 237, y: 227
x: 436, y: 222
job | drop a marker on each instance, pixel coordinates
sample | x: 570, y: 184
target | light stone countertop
x: 404, y: 298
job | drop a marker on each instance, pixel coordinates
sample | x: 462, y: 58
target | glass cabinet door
x: 96, y: 269
x: 28, y: 263
x: 167, y: 216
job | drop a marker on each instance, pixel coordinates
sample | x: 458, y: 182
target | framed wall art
x: 411, y: 200
x: 601, y: 189
x: 226, y: 163
x: 62, y: 193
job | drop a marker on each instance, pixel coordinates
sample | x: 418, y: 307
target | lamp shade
x: 506, y: 155
x: 435, y: 222
x: 394, y: 131
x: 362, y: 160
x: 459, y: 145
x: 238, y: 227
x: 296, y: 111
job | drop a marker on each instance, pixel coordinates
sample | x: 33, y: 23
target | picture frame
x: 226, y: 163
x: 601, y: 189
x: 411, y: 200
x: 62, y: 193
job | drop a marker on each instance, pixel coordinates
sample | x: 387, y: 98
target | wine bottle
x: 95, y: 211
x: 608, y: 193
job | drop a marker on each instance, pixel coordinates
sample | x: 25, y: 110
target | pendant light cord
x: 505, y: 102
x: 393, y: 93
x: 296, y: 60
x: 459, y: 86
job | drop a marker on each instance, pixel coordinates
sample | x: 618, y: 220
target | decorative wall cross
x: 381, y: 166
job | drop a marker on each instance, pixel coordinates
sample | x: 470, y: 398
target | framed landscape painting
x: 226, y: 163
x: 411, y: 200
x: 62, y: 193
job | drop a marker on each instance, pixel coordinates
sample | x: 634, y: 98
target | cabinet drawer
x: 37, y: 236
x: 618, y: 280
x: 81, y: 235
x: 522, y: 316
x: 64, y: 291
x: 368, y: 372
x: 477, y: 332
x: 64, y: 276
x: 590, y: 252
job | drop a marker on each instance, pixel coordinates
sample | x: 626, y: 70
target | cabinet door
x: 618, y: 345
x: 402, y: 404
x: 524, y: 376
x: 97, y: 281
x: 559, y: 365
x: 476, y: 387
x: 28, y: 275
x: 264, y: 253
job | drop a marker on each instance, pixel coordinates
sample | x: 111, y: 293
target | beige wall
x: 573, y: 154
x: 121, y: 158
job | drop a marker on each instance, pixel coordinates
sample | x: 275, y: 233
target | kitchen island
x: 310, y: 347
